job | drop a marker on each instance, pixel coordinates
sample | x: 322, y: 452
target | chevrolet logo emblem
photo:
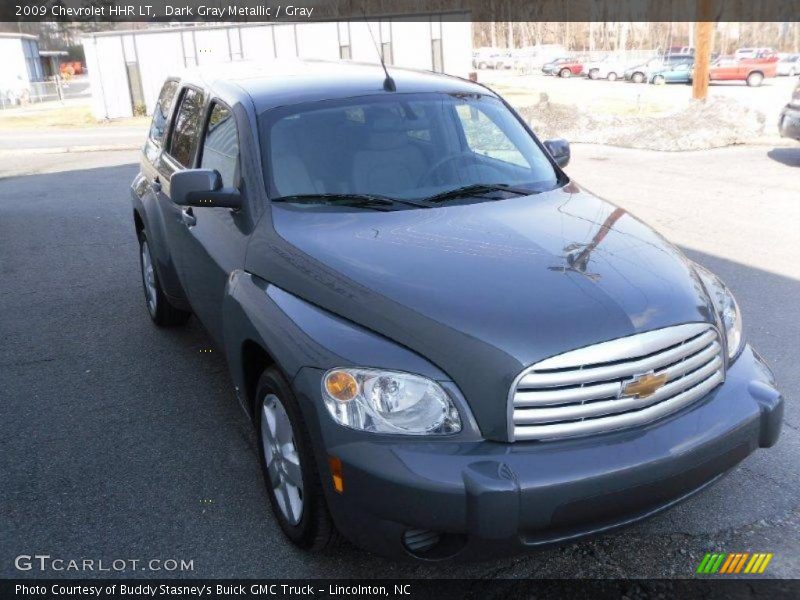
x: 644, y: 386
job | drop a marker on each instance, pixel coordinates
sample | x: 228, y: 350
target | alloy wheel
x: 282, y: 459
x: 149, y: 279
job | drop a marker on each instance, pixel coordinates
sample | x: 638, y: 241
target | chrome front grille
x: 592, y: 390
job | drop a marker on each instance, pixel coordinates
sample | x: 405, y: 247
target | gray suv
x: 446, y: 346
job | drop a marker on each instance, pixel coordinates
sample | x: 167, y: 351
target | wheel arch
x: 255, y: 359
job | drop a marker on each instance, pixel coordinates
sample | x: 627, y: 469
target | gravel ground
x: 119, y: 440
x: 653, y: 117
x: 716, y: 123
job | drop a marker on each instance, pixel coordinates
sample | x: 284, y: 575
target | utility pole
x: 704, y: 30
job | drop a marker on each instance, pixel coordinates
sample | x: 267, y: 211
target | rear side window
x: 183, y: 142
x: 161, y: 112
x: 221, y: 145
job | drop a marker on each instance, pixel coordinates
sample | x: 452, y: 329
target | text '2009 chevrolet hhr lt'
x: 447, y: 347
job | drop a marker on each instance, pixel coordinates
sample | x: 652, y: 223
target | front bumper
x: 489, y: 498
x: 789, y: 123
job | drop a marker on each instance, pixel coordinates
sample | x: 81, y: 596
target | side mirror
x: 202, y: 188
x: 559, y: 150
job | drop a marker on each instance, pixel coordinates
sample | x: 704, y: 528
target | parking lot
x: 626, y: 98
x: 120, y: 440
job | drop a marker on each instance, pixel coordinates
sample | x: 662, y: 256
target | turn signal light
x: 341, y: 385
x: 335, y: 465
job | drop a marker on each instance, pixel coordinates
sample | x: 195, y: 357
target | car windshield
x: 399, y: 146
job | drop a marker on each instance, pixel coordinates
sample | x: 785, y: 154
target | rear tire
x: 593, y: 74
x: 755, y: 79
x: 659, y: 80
x: 161, y: 311
x: 612, y: 76
x: 312, y: 529
x: 637, y: 78
x: 565, y: 73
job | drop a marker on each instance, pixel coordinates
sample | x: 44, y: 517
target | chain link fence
x: 19, y: 94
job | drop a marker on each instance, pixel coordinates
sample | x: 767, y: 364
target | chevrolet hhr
x: 447, y: 347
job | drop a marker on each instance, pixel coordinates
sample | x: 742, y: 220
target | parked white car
x: 492, y: 59
x: 788, y: 64
x: 610, y: 68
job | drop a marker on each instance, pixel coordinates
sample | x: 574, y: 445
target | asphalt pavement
x: 119, y: 440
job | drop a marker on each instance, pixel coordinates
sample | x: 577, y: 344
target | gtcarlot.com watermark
x: 47, y: 563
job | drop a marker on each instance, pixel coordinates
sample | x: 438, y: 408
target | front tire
x: 290, y: 472
x: 161, y: 311
x: 593, y: 73
x: 659, y: 80
x: 638, y: 77
x: 612, y: 76
x: 564, y: 73
x: 754, y: 79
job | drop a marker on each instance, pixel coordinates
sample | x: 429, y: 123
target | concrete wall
x: 158, y: 53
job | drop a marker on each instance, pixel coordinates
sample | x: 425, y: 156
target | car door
x: 725, y: 69
x: 680, y: 72
x: 180, y: 151
x: 216, y: 238
x: 157, y: 206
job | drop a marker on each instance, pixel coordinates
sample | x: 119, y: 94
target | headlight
x: 727, y: 309
x: 389, y: 402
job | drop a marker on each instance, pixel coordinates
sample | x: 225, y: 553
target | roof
x: 283, y: 82
x: 22, y: 36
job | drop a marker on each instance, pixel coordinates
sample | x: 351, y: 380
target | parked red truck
x: 750, y: 70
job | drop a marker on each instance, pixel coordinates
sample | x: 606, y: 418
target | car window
x: 485, y: 137
x: 401, y: 145
x: 161, y: 111
x: 183, y: 140
x: 221, y: 145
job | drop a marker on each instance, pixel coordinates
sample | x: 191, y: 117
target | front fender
x: 297, y: 334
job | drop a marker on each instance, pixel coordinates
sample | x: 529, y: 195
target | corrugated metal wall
x: 154, y: 54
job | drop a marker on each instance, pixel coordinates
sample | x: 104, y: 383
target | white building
x: 127, y: 68
x: 19, y: 65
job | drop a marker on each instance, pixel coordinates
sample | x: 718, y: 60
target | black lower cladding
x: 611, y: 508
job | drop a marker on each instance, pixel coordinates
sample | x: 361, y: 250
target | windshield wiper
x: 477, y: 189
x: 365, y: 200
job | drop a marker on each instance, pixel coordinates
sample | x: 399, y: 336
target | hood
x: 484, y: 290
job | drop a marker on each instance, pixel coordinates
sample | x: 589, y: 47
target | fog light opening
x: 432, y: 545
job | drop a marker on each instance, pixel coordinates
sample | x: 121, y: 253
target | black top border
x: 219, y: 11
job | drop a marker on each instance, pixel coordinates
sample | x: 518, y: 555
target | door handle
x: 156, y: 185
x: 187, y: 216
